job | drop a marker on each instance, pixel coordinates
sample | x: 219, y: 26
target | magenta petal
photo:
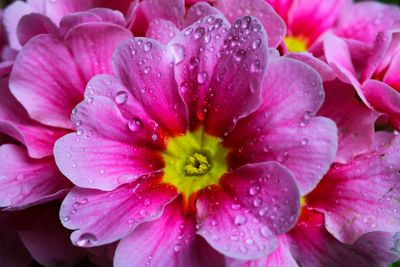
x: 14, y: 121
x: 12, y: 15
x: 145, y: 67
x: 103, y: 167
x: 172, y: 10
x: 231, y: 232
x: 272, y: 22
x: 364, y: 192
x: 321, y: 67
x: 170, y: 241
x: 363, y: 21
x: 25, y: 181
x: 337, y: 53
x: 285, y: 129
x: 383, y: 98
x: 34, y: 24
x: 355, y: 122
x: 312, y: 245
x: 268, y: 191
x: 161, y: 30
x: 198, y: 11
x: 105, y: 217
x: 78, y: 60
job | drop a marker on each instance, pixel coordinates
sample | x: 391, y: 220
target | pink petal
x: 26, y: 181
x: 78, y: 59
x: 108, y: 99
x: 278, y: 187
x: 12, y: 15
x: 198, y: 11
x: 232, y: 232
x: 273, y: 24
x: 105, y: 217
x: 355, y: 122
x: 312, y: 245
x: 321, y: 67
x: 281, y: 7
x: 146, y: 69
x: 170, y: 241
x: 103, y: 167
x: 172, y: 10
x: 363, y: 192
x: 363, y: 21
x: 233, y: 72
x: 93, y: 15
x: 34, y: 24
x: 383, y: 98
x: 339, y: 58
x: 48, y: 242
x: 14, y: 121
x: 284, y: 129
x: 312, y: 18
x: 56, y: 10
x: 161, y: 30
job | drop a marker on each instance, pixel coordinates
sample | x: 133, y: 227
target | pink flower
x: 358, y: 23
x: 376, y: 79
x: 36, y: 109
x: 193, y: 146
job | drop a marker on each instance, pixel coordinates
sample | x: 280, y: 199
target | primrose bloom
x: 199, y: 149
x: 358, y: 23
x: 377, y: 80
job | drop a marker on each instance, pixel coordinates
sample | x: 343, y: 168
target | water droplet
x: 66, y: 218
x: 236, y: 206
x: 240, y: 220
x: 135, y: 125
x: 179, y: 52
x: 254, y: 190
x: 199, y: 32
x: 304, y: 142
x: 147, y: 70
x: 147, y: 46
x: 264, y: 231
x: 257, y: 202
x: 243, y: 249
x: 121, y: 97
x: 87, y: 239
x: 177, y: 247
x: 256, y: 44
x: 202, y: 77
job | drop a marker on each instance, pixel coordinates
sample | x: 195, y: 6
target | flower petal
x: 170, y: 241
x: 12, y: 15
x: 383, y: 98
x: 363, y: 21
x: 34, y: 24
x: 312, y: 245
x: 310, y: 19
x: 172, y: 10
x: 272, y: 22
x: 25, y: 181
x: 78, y: 59
x: 361, y: 196
x: 230, y: 231
x: 161, y: 30
x: 145, y: 67
x: 198, y: 11
x: 105, y: 217
x: 268, y: 191
x: 285, y: 129
x: 355, y: 121
x: 14, y: 121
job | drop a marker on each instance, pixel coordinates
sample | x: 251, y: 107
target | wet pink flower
x: 376, y: 80
x: 196, y: 148
x: 358, y: 23
x: 35, y: 110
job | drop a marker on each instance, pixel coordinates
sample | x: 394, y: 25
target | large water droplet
x: 179, y: 52
x: 121, y: 97
x: 199, y: 32
x: 240, y: 220
x: 147, y: 46
x: 202, y: 77
x: 87, y: 239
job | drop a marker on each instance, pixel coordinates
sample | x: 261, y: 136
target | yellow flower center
x: 194, y: 161
x: 296, y: 44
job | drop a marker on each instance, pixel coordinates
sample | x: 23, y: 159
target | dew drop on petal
x: 202, y: 77
x: 121, y: 97
x: 135, y: 125
x: 240, y: 220
x: 87, y: 239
